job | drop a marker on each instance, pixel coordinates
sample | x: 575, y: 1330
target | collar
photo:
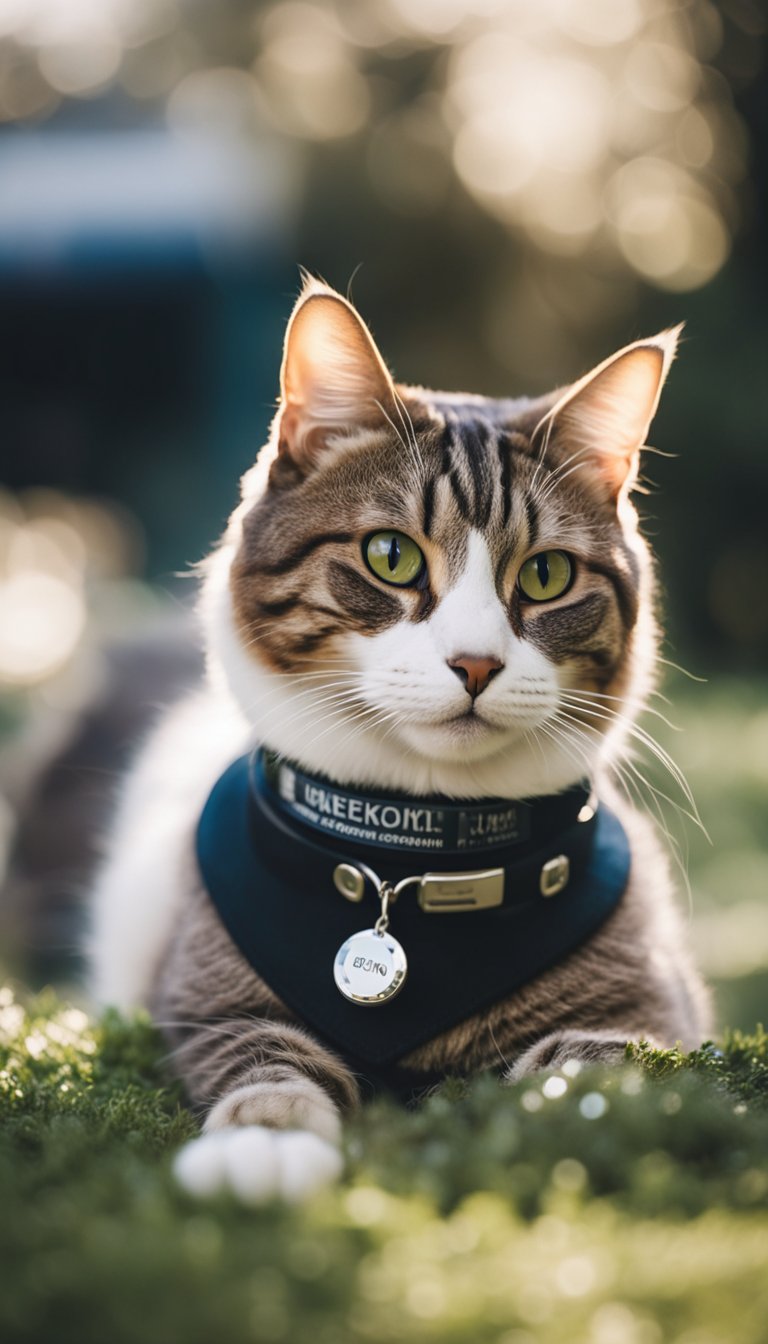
x: 418, y: 826
x: 268, y: 847
x: 458, y: 855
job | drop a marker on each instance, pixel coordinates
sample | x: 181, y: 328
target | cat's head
x: 436, y: 592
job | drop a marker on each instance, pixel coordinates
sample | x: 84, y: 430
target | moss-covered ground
x: 624, y: 1206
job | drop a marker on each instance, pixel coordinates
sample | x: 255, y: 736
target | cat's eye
x: 545, y: 576
x: 393, y: 557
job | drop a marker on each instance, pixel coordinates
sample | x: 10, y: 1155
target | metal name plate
x: 444, y: 892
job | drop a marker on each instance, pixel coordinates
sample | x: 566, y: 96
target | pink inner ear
x: 608, y: 413
x: 333, y: 377
x: 616, y: 409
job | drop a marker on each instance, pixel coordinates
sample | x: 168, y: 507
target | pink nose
x: 475, y: 672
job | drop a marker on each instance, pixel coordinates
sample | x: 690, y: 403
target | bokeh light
x: 588, y: 136
x: 42, y: 618
x: 55, y: 553
x: 528, y: 185
x: 307, y: 70
x: 596, y: 129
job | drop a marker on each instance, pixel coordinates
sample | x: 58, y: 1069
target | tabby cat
x: 421, y: 594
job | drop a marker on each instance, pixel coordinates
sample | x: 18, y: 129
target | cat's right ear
x: 333, y: 381
x: 602, y: 421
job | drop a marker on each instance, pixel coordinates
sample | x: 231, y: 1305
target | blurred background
x: 512, y: 191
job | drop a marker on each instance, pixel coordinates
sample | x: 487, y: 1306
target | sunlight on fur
x: 465, y: 680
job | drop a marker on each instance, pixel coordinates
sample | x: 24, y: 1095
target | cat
x: 423, y: 595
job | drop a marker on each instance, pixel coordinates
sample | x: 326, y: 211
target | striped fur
x: 357, y: 678
x: 299, y: 583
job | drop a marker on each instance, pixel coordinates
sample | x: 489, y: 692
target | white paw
x: 299, y: 1104
x: 257, y: 1164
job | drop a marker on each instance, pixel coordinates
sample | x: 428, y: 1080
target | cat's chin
x: 475, y: 738
x: 495, y: 762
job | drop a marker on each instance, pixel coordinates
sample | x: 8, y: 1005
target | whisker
x: 645, y: 739
x: 586, y: 697
x: 353, y: 721
x: 561, y: 474
x: 409, y: 447
x: 619, y: 767
x: 677, y: 668
x: 339, y: 705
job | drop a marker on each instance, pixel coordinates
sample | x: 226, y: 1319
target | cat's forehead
x: 514, y: 413
x: 467, y: 440
x: 456, y: 465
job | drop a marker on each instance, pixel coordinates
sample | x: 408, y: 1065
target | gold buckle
x: 442, y: 893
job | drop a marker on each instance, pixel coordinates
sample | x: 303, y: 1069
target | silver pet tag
x: 371, y: 966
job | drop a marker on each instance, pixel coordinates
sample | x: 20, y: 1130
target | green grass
x: 721, y: 744
x: 623, y: 1206
x: 632, y: 1208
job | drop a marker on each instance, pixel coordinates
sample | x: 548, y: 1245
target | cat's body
x: 465, y: 679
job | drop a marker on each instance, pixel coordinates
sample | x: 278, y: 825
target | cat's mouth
x: 470, y: 733
x: 468, y: 722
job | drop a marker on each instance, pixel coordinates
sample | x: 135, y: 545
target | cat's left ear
x: 332, y: 381
x: 604, y: 418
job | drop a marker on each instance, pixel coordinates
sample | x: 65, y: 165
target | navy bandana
x: 268, y: 842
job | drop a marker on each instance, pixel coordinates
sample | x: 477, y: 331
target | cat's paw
x: 556, y: 1049
x: 257, y: 1164
x: 295, y: 1104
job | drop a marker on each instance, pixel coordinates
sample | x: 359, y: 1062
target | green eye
x: 545, y: 576
x: 393, y: 557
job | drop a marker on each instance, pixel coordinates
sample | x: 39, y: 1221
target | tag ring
x: 387, y: 896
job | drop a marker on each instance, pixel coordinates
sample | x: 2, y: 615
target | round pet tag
x: 370, y: 967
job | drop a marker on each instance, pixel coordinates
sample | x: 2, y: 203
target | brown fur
x: 296, y: 566
x: 433, y: 466
x: 633, y: 980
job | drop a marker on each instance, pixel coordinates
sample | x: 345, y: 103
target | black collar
x: 415, y: 827
x: 268, y: 866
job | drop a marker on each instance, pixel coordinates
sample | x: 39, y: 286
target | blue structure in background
x: 144, y: 283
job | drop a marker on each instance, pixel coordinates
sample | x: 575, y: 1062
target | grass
x: 721, y: 744
x: 623, y: 1206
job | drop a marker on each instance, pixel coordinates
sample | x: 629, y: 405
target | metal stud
x: 554, y: 875
x: 349, y: 881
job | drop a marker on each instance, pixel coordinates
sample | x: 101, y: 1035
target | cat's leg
x: 275, y: 1099
x: 559, y: 1047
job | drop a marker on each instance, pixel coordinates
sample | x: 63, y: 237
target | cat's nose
x: 475, y: 672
